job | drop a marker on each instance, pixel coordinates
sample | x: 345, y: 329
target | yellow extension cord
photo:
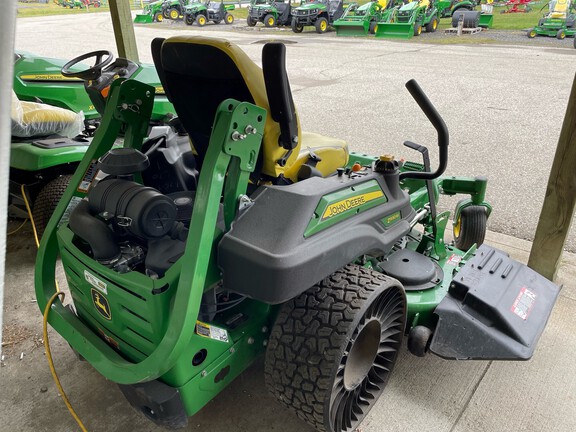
x: 45, y: 322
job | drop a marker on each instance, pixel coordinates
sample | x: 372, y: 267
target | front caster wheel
x: 332, y: 348
x: 470, y: 227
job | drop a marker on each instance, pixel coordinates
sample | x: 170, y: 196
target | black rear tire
x: 250, y: 21
x: 297, y: 28
x: 372, y: 28
x: 47, y: 200
x: 432, y: 25
x: 470, y: 227
x: 332, y: 348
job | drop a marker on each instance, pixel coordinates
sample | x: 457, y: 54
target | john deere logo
x: 101, y: 304
x: 350, y: 203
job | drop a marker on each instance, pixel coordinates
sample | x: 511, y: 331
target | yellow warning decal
x: 209, y: 331
x: 47, y: 77
x: 350, y: 203
x: 159, y: 90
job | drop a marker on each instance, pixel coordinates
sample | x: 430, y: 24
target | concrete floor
x: 424, y: 394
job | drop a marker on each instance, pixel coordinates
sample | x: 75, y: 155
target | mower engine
x: 130, y: 227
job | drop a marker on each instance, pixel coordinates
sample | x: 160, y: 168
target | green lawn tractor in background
x: 447, y: 7
x: 453, y: 9
x: 152, y: 12
x: 360, y: 20
x: 288, y: 246
x: 44, y: 161
x: 560, y: 21
x: 317, y: 13
x: 409, y: 20
x: 272, y: 13
x: 201, y: 13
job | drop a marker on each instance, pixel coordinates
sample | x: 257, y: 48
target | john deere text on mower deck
x: 287, y: 245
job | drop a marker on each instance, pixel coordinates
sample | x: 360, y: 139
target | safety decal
x: 111, y: 341
x: 209, y: 331
x: 101, y: 304
x: 454, y: 260
x: 71, y: 206
x: 95, y: 282
x: 524, y: 303
x: 350, y: 203
x: 89, y: 176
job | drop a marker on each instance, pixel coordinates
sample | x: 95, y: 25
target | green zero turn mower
x: 43, y: 160
x: 318, y: 13
x: 201, y: 13
x: 288, y: 246
x: 560, y: 21
x: 271, y: 13
x: 360, y: 20
x: 409, y: 20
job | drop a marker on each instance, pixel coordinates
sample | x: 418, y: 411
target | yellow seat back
x: 559, y: 9
x: 199, y: 72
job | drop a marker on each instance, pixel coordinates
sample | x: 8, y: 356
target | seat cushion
x: 333, y: 152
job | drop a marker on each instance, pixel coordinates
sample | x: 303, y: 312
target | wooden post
x: 124, y: 29
x: 7, y: 27
x: 560, y: 201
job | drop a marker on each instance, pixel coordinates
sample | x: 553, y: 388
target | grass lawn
x: 30, y: 9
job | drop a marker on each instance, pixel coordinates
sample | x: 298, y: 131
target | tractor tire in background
x: 201, y: 20
x: 531, y: 33
x: 47, y: 200
x: 158, y: 17
x: 417, y: 29
x: 372, y: 28
x: 321, y: 25
x: 432, y: 25
x: 296, y: 28
x: 470, y: 227
x: 166, y: 13
x: 561, y: 34
x: 332, y: 348
x: 174, y: 13
x: 250, y: 21
x: 471, y: 18
x: 229, y: 18
x: 189, y: 19
x: 269, y: 20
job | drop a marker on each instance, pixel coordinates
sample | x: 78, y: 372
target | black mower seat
x: 198, y: 73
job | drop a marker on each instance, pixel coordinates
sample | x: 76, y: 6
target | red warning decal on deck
x: 454, y: 260
x: 524, y: 303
